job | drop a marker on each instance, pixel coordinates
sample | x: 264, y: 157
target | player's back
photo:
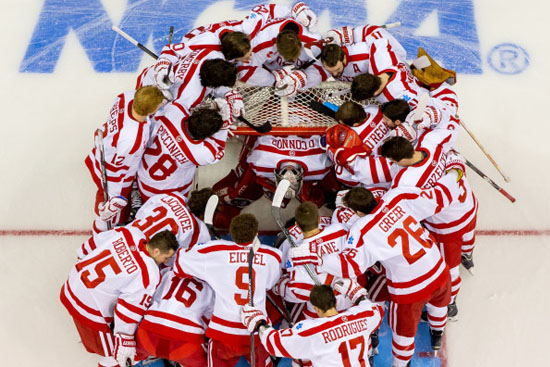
x: 224, y: 266
x: 117, y: 266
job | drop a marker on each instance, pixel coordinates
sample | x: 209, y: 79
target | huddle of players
x: 379, y: 237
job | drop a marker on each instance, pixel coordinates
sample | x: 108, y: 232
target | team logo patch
x: 133, y: 248
x: 385, y: 209
x: 299, y: 326
x: 179, y: 139
x: 350, y: 240
x: 344, y: 318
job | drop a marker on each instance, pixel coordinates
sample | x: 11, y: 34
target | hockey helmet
x: 294, y: 173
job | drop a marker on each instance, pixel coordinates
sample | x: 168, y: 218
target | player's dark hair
x: 364, y: 85
x: 243, y: 228
x: 217, y: 73
x: 307, y: 216
x: 397, y: 148
x: 198, y: 199
x: 235, y: 45
x: 360, y: 199
x: 289, y: 45
x: 322, y: 297
x: 203, y: 123
x: 398, y: 109
x: 164, y: 241
x: 331, y: 54
x: 351, y: 113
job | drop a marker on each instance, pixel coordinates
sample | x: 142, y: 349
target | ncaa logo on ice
x: 454, y: 42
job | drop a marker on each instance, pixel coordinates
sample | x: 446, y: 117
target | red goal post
x: 291, y: 116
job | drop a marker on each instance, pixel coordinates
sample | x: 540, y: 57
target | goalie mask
x: 293, y: 173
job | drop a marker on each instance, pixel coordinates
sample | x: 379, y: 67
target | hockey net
x: 305, y: 114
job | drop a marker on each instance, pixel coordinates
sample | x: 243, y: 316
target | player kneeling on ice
x: 233, y: 275
x: 332, y: 340
x: 110, y: 288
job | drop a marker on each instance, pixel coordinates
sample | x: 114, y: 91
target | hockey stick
x: 99, y: 136
x: 421, y: 106
x: 209, y: 212
x: 251, y: 303
x: 134, y: 42
x: 262, y: 129
x: 280, y: 192
x: 506, y: 178
x: 491, y: 182
x: 170, y: 34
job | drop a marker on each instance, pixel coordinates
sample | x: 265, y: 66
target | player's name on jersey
x: 293, y: 144
x: 180, y: 212
x: 241, y: 257
x: 376, y: 136
x: 175, y: 152
x: 124, y: 256
x: 345, y: 330
x: 391, y: 218
x: 328, y: 248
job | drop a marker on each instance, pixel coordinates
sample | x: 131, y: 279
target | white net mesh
x: 261, y: 105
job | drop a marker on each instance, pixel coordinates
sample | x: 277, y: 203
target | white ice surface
x: 47, y: 126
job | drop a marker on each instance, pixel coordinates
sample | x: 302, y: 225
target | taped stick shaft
x: 491, y: 182
x: 134, y: 42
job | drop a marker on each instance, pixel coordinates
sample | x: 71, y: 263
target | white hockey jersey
x: 392, y: 234
x: 269, y: 152
x: 334, y: 341
x: 124, y: 141
x: 113, y: 283
x: 369, y: 33
x: 181, y: 308
x: 434, y: 144
x: 169, y: 211
x: 224, y: 266
x: 170, y: 160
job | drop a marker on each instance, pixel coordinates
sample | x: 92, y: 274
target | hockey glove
x: 430, y: 116
x: 351, y: 289
x: 340, y: 36
x: 303, y: 255
x: 291, y: 83
x: 125, y: 348
x: 303, y: 15
x: 111, y: 208
x: 235, y: 101
x: 225, y: 112
x: 280, y: 288
x: 164, y: 74
x: 252, y: 317
x: 280, y: 74
x: 404, y: 130
x: 455, y: 161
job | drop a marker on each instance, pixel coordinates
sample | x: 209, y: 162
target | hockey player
x: 170, y: 211
x: 182, y: 142
x: 125, y: 135
x: 277, y: 55
x: 173, y: 327
x: 109, y: 289
x: 390, y: 232
x: 454, y: 227
x: 333, y: 339
x: 295, y: 286
x: 224, y: 266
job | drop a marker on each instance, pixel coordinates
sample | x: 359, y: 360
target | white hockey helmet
x: 294, y: 173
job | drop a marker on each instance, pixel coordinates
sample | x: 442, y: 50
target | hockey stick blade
x: 391, y: 25
x: 421, y: 106
x: 209, y: 210
x: 280, y: 193
x: 322, y: 109
x: 262, y: 129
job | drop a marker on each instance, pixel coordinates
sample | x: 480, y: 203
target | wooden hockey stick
x: 99, y: 136
x: 278, y: 197
x: 491, y: 182
x: 506, y: 178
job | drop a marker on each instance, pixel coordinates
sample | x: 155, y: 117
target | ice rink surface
x: 57, y: 90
